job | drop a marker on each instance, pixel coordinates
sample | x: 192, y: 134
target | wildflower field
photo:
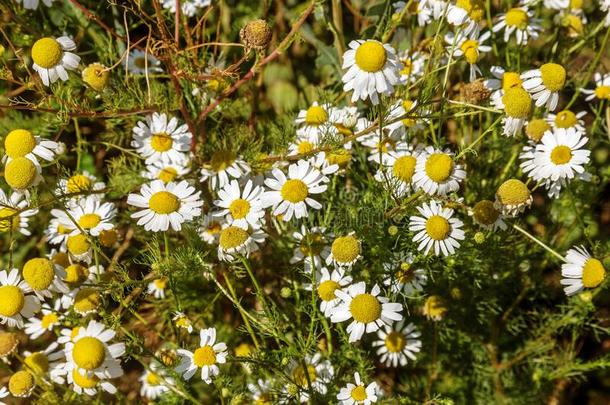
x: 304, y: 201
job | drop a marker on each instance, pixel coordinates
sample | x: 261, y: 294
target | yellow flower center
x: 108, y: 237
x: 11, y: 300
x: 404, y: 167
x: 96, y: 76
x: 221, y: 160
x: 47, y: 53
x: 74, y: 332
x: 407, y: 67
x: 20, y: 173
x: 326, y: 290
x: 395, y: 342
x: 603, y: 92
x: 517, y: 102
x: 204, y: 356
x: 61, y: 258
x: 37, y: 363
x: 300, y: 375
x: 593, y: 273
x: 513, y: 192
x: 339, y: 157
x: 516, y: 17
x: 371, y: 56
x: 19, y: 143
x: 21, y: 383
x: 38, y: 273
x: 561, y: 154
x: 164, y: 202
x: 87, y: 300
x: 152, y: 379
x: 89, y: 221
x: 345, y: 249
x: 49, y: 320
x: 8, y: 343
x: 553, y: 76
x: 510, y: 80
x: 76, y: 274
x: 239, y: 208
x: 437, y: 227
x: 83, y: 380
x: 536, y: 129
x: 89, y: 353
x: 434, y: 307
x: 312, y: 244
x: 365, y: 308
x: 9, y: 220
x: 407, y: 105
x: 232, y: 237
x: 485, y: 213
x: 358, y: 394
x: 304, y: 147
x: 566, y: 119
x: 576, y: 4
x: 183, y: 322
x: 161, y: 142
x: 160, y: 283
x: 78, y: 183
x: 405, y: 275
x: 475, y: 8
x: 439, y: 167
x: 243, y: 350
x: 167, y: 174
x: 315, y: 115
x: 470, y: 47
x: 574, y: 24
x: 294, y: 191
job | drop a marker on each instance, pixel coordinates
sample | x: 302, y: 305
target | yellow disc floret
x: 239, y: 208
x: 326, y: 290
x: 89, y: 353
x: 371, y: 56
x: 437, y: 227
x: 38, y: 273
x: 96, y: 75
x: 21, y: 384
x: 221, y: 160
x: 439, y: 167
x: 78, y: 244
x: 517, y: 102
x: 517, y: 17
x: 12, y: 300
x: 365, y: 308
x: 395, y: 342
x: 566, y: 119
x: 485, y: 213
x: 315, y: 115
x: 404, y: 167
x: 593, y: 273
x: 8, y: 343
x: 108, y: 237
x: 475, y: 8
x: 358, y: 394
x: 232, y: 237
x: 301, y: 376
x: 83, y: 380
x: 89, y: 221
x: 9, y: 219
x: 161, y: 142
x: 602, y: 92
x: 20, y: 173
x: 470, y: 47
x: 513, y: 192
x: 78, y: 183
x: 19, y: 143
x: 434, y: 307
x: 345, y: 249
x: 561, y: 154
x: 49, y: 320
x: 164, y: 202
x: 37, y: 362
x: 87, y: 300
x: 167, y: 174
x: 47, y: 53
x: 536, y: 128
x: 204, y: 356
x: 76, y: 274
x: 510, y: 80
x: 294, y: 190
x: 553, y: 76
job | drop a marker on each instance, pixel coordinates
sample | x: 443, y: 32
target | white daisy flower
x: 167, y: 172
x: 466, y: 14
x: 345, y: 251
x: 241, y: 207
x: 210, y: 229
x: 566, y: 119
x: 22, y: 173
x: 487, y: 216
x: 397, y: 344
x: 314, y: 122
x: 68, y: 334
x: 303, y: 144
x: 52, y: 59
x: 182, y: 321
x: 83, y: 183
x: 44, y: 277
x: 436, y: 173
x: 261, y: 392
x: 581, y: 271
x: 379, y: 147
x: 158, y: 140
x: 14, y: 213
x: 369, y: 311
x: 521, y: 22
x: 402, y: 277
x: 437, y: 229
x: 372, y: 70
x: 234, y: 240
x: 544, y: 84
x: 33, y: 5
x: 223, y: 166
x: 166, y: 205
x: 572, y: 21
x: 206, y: 357
x: 16, y: 302
x: 154, y: 382
x: 316, y: 374
x: 413, y: 63
x: 138, y: 62
x: 327, y: 164
x: 188, y: 7
x: 84, y: 383
x: 602, y: 84
x: 327, y: 284
x: 22, y: 143
x: 157, y: 287
x: 517, y: 105
x: 435, y: 308
x: 513, y: 197
x: 290, y: 196
x: 399, y: 170
x: 36, y: 327
x: 87, y: 214
x: 344, y: 119
x: 470, y: 47
x: 418, y: 7
x: 312, y: 247
x: 44, y: 362
x: 359, y: 393
x: 502, y: 80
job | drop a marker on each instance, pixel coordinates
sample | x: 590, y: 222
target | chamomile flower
x: 435, y: 308
x: 379, y: 147
x: 470, y: 47
x: 9, y: 343
x: 44, y: 277
x: 303, y: 144
x: 413, y: 65
x: 36, y: 327
x: 16, y: 302
x: 33, y: 5
x: 420, y: 8
x: 345, y: 251
x: 369, y: 311
x: 344, y: 119
x: 166, y: 205
x: 358, y: 393
x: 83, y: 183
x: 261, y: 392
x: 52, y: 60
x: 15, y: 213
x: 544, y: 84
x: 22, y: 143
x: 517, y: 104
x: 139, y: 62
x: 210, y: 229
x: 602, y: 84
x: 167, y: 172
x: 206, y: 357
x: 436, y: 172
x: 234, y: 240
x: 21, y: 174
x: 241, y: 206
x: 399, y: 170
x: 487, y: 216
x: 79, y: 248
x: 68, y: 334
x: 157, y: 287
x: 512, y: 197
x: 566, y: 119
x: 315, y: 374
x: 154, y: 382
x: 312, y: 247
x: 223, y: 166
x: 402, y: 276
x: 398, y: 344
x: 84, y: 383
x: 436, y: 228
x: 182, y: 321
x: 21, y: 384
x: 372, y: 70
x: 581, y: 271
x: 88, y: 215
x: 502, y: 80
x: 160, y: 140
x: 327, y: 284
x: 92, y: 353
x: 521, y: 22
x: 314, y: 122
x: 291, y: 195
x: 43, y: 363
x: 188, y: 7
x: 466, y: 14
x: 572, y: 22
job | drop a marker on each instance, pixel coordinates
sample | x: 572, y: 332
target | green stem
x: 539, y: 242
